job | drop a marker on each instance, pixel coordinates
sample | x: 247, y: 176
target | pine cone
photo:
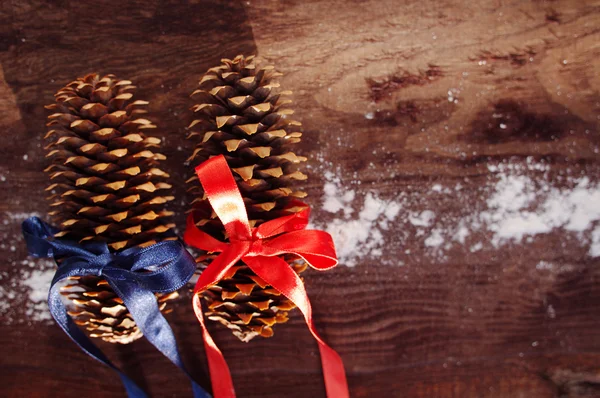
x: 106, y: 187
x: 240, y: 117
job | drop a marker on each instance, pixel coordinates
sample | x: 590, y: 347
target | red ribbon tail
x: 220, y: 376
x: 279, y: 274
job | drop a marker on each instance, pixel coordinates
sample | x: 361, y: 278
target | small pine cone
x: 240, y: 117
x: 106, y: 187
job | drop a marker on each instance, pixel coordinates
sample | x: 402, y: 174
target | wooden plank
x: 429, y: 105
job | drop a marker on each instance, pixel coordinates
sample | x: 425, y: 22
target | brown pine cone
x: 106, y: 186
x: 241, y: 117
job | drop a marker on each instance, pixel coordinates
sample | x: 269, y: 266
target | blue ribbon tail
x: 59, y: 313
x: 143, y: 307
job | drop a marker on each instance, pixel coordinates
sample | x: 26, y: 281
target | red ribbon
x: 258, y: 248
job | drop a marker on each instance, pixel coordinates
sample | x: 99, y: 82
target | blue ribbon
x: 134, y: 274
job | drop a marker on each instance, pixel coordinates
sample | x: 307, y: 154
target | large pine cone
x: 106, y: 187
x: 240, y: 117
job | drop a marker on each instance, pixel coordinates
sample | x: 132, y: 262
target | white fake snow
x: 595, y: 246
x: 422, y: 219
x: 519, y: 202
x: 24, y: 285
x: 38, y: 283
x: 23, y: 297
x: 360, y: 235
x: 509, y: 216
x: 435, y: 239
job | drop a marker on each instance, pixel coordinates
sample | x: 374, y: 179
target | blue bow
x: 134, y: 274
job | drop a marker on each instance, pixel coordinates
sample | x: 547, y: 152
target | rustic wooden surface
x: 371, y: 82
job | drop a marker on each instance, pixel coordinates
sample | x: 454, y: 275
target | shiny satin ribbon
x: 258, y: 248
x: 134, y: 274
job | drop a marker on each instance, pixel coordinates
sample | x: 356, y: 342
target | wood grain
x: 397, y: 95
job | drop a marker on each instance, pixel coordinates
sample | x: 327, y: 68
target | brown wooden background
x: 403, y: 331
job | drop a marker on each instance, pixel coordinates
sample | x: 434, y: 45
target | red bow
x: 259, y: 248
